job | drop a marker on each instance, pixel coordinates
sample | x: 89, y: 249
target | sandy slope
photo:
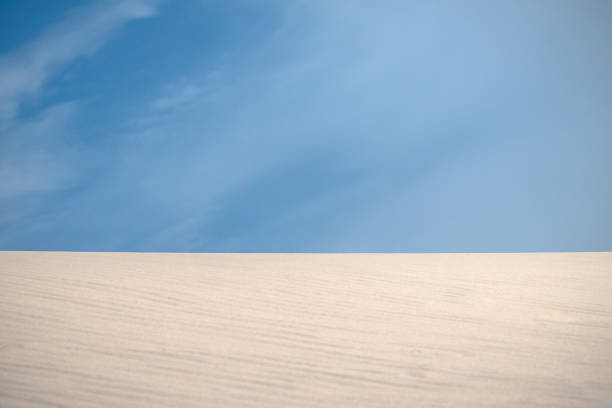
x: 228, y: 330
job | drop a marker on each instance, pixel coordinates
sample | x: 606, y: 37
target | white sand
x: 214, y: 330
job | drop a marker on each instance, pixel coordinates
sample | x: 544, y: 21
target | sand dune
x: 297, y: 330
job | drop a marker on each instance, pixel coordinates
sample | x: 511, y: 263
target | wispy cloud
x: 35, y: 152
x: 177, y: 97
x: 24, y: 71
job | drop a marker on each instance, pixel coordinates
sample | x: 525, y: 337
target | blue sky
x: 298, y: 126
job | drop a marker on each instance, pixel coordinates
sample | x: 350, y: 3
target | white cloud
x: 24, y: 71
x: 176, y: 97
x: 34, y: 156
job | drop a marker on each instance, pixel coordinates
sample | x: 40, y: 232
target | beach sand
x: 305, y: 330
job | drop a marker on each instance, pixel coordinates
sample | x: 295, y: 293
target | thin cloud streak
x: 24, y: 71
x: 35, y: 152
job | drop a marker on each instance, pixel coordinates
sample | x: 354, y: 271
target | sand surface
x: 298, y: 330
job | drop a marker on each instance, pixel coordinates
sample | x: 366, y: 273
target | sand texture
x: 305, y: 330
